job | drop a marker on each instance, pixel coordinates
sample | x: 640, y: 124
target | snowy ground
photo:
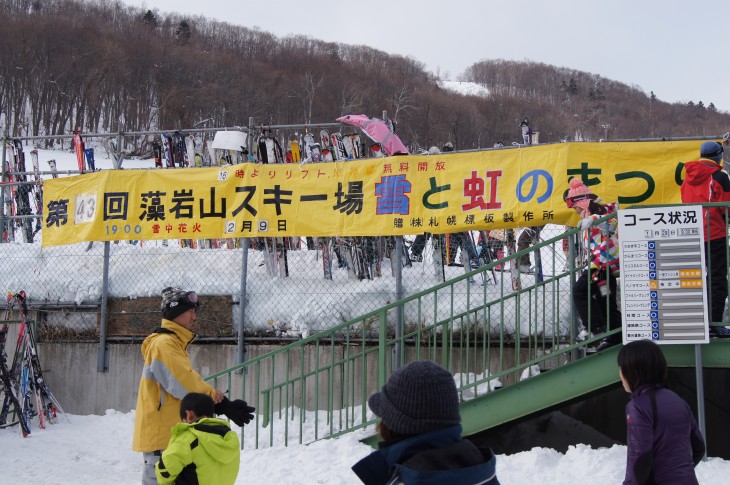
x: 97, y: 449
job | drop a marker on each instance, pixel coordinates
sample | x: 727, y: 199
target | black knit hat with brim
x: 418, y: 398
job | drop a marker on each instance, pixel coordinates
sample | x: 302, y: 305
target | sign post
x: 663, y: 278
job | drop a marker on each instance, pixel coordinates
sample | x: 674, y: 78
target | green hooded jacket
x: 204, y: 452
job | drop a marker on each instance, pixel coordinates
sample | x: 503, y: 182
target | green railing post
x: 382, y: 347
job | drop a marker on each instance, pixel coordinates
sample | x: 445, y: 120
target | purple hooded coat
x: 665, y: 447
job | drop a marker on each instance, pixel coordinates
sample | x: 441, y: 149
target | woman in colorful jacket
x: 421, y: 429
x: 663, y: 441
x: 594, y: 293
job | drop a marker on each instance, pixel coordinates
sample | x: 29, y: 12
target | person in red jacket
x: 705, y: 181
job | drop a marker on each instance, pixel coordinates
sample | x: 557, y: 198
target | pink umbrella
x: 378, y: 131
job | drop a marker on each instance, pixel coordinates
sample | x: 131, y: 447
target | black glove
x: 237, y: 411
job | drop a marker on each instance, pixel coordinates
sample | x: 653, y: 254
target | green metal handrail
x: 332, y: 373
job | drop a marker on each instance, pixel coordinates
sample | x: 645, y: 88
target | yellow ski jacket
x: 167, y: 377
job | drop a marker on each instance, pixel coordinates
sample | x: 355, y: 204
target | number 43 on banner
x: 85, y: 208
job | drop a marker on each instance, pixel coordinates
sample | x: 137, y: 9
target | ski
x: 157, y: 154
x: 22, y: 192
x: 37, y: 189
x: 437, y: 242
x: 178, y: 150
x: 90, y: 162
x: 47, y: 404
x: 514, y: 262
x: 78, y: 143
x: 10, y: 389
x: 538, y: 257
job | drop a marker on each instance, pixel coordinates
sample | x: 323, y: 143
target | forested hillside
x: 104, y: 66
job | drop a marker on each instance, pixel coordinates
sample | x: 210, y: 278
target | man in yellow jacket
x: 167, y: 377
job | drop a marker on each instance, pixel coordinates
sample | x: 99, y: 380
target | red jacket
x: 706, y: 182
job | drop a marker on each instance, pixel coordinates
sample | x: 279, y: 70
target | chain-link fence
x: 287, y: 291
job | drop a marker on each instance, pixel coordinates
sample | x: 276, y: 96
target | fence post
x: 700, y: 383
x: 241, y: 343
x: 102, y: 364
x: 398, y: 295
x: 118, y: 156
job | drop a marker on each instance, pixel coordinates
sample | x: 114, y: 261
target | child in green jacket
x: 203, y: 449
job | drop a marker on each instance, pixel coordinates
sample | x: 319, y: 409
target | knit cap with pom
x: 579, y: 195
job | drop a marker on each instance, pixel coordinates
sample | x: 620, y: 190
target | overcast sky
x: 675, y: 48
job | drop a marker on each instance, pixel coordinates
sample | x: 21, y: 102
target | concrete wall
x: 70, y: 371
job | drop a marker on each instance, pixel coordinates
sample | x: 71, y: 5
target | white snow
x: 464, y: 87
x: 97, y: 449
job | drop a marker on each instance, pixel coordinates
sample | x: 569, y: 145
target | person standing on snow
x: 707, y: 182
x: 203, y: 449
x: 663, y: 442
x: 167, y: 376
x: 420, y: 426
x: 596, y: 288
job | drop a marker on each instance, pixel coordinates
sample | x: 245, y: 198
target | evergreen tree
x: 701, y: 105
x: 573, y: 87
x: 150, y: 19
x: 712, y: 107
x: 183, y: 32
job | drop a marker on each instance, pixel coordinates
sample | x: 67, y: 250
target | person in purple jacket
x: 663, y: 440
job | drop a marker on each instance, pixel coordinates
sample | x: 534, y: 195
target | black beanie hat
x: 418, y: 398
x: 176, y: 301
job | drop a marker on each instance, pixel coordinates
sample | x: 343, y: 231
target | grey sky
x: 674, y: 48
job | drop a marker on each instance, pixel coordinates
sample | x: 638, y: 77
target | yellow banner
x: 389, y: 196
